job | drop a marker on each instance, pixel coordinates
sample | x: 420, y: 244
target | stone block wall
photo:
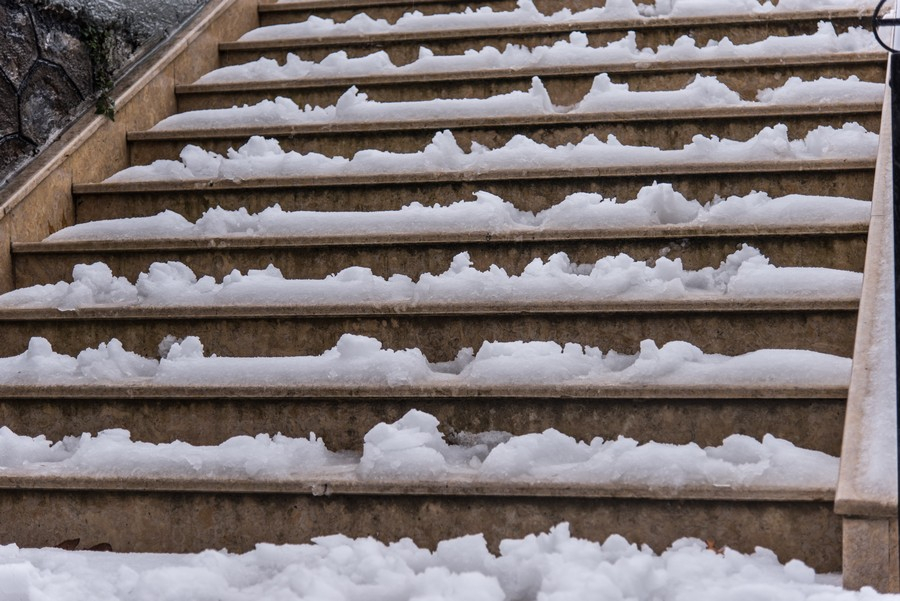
x: 58, y: 56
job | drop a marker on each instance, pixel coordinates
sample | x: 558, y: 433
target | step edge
x: 436, y: 309
x: 242, y: 242
x: 134, y: 390
x: 633, y: 170
x: 561, y: 119
x: 639, y: 67
x: 344, y: 484
x: 544, y: 28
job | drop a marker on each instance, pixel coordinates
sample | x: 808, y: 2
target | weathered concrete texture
x: 343, y: 421
x: 870, y: 554
x: 132, y: 520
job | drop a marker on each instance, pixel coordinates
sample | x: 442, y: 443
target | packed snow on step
x: 358, y: 361
x: 572, y: 52
x: 658, y: 205
x: 355, y: 107
x: 264, y: 158
x: 527, y: 14
x: 554, y: 565
x: 414, y: 449
x: 745, y: 274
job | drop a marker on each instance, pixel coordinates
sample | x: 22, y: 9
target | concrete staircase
x: 188, y: 515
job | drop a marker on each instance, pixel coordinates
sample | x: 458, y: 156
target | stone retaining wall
x: 57, y: 57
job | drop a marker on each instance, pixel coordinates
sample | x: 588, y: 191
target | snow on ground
x: 414, y: 449
x: 527, y: 14
x: 355, y: 107
x: 550, y: 566
x: 263, y: 157
x: 361, y: 361
x: 655, y: 205
x: 745, y: 274
x: 574, y: 51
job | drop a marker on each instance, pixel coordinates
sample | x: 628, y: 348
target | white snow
x: 361, y: 361
x: 527, y: 14
x: 263, y: 157
x: 655, y: 205
x: 744, y: 274
x: 414, y: 449
x: 574, y: 51
x: 355, y: 107
x: 549, y: 566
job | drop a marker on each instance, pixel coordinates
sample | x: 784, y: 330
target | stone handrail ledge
x: 38, y: 200
x: 866, y: 499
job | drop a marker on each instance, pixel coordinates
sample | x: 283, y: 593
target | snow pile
x: 746, y: 273
x: 527, y: 14
x: 552, y: 565
x: 574, y: 51
x: 361, y: 361
x: 113, y: 453
x: 355, y: 107
x: 412, y: 448
x: 263, y: 157
x: 655, y: 205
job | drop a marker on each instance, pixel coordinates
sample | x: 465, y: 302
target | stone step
x: 292, y: 12
x: 668, y: 129
x: 810, y: 417
x: 717, y: 324
x: 530, y: 190
x: 403, y: 47
x: 189, y: 515
x: 565, y: 85
x: 838, y: 246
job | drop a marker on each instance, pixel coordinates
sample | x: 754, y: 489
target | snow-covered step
x: 566, y: 85
x: 548, y: 473
x: 440, y: 329
x: 527, y: 189
x: 672, y: 128
x: 192, y: 514
x: 274, y: 13
x: 449, y: 34
x: 675, y: 394
x: 836, y: 245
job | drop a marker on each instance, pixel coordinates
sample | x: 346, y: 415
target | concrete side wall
x: 38, y: 200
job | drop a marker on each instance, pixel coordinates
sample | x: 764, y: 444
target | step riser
x: 406, y: 51
x: 838, y: 252
x: 441, y: 336
x: 343, y: 422
x: 564, y: 90
x: 525, y: 194
x: 191, y: 522
x: 661, y: 134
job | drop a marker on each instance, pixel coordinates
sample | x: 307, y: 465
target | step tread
x: 663, y: 168
x: 631, y: 304
x: 561, y: 119
x: 223, y: 243
x: 648, y: 67
x: 342, y: 482
x: 613, y: 24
